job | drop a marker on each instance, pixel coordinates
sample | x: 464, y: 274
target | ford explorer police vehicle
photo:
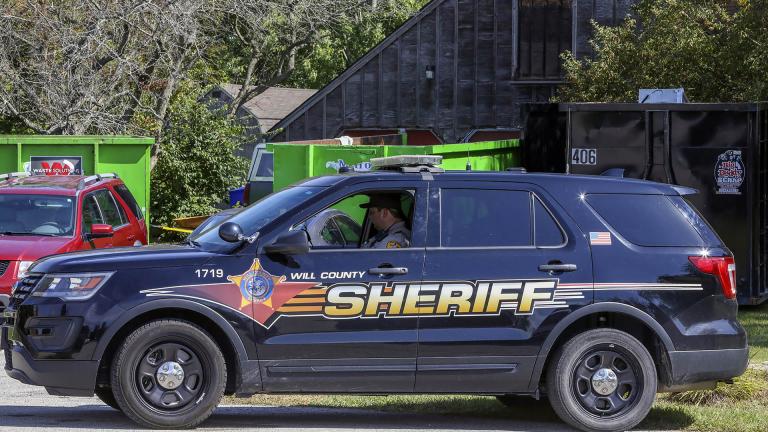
x: 596, y: 292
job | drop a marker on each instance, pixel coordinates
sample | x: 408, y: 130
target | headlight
x: 21, y: 272
x: 71, y: 286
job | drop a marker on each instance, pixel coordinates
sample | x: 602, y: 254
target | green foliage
x: 13, y: 126
x: 755, y: 322
x: 196, y: 164
x: 753, y: 384
x: 339, y: 47
x: 333, y: 50
x: 716, y: 49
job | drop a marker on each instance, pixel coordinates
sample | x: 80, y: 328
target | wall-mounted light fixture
x: 430, y: 72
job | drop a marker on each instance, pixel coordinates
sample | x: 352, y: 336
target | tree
x: 301, y: 43
x: 197, y: 164
x: 354, y: 35
x: 717, y: 50
x: 266, y: 37
x: 92, y: 67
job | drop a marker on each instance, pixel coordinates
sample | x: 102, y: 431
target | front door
x: 506, y: 263
x: 335, y: 320
x: 93, y: 214
x: 100, y: 207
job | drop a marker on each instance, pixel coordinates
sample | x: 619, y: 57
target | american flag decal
x: 600, y: 238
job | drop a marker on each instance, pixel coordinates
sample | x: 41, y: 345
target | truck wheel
x: 105, y: 395
x: 602, y: 380
x: 169, y: 374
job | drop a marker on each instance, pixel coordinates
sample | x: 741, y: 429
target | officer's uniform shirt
x: 396, y: 236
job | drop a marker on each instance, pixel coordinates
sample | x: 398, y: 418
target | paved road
x: 26, y: 408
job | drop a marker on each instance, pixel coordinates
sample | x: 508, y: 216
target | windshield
x: 37, y: 215
x: 258, y: 215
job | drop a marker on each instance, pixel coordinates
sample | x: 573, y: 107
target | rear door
x: 503, y: 264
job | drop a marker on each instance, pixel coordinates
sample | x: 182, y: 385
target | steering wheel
x: 41, y: 229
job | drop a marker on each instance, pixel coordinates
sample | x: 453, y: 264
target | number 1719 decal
x: 581, y: 156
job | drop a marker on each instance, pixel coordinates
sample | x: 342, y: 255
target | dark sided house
x: 459, y: 70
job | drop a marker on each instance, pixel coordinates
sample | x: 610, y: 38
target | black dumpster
x: 719, y: 149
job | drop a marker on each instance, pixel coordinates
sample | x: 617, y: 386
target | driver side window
x: 91, y: 213
x: 348, y: 224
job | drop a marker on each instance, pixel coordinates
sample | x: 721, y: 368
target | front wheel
x: 169, y: 374
x: 105, y: 395
x: 602, y: 380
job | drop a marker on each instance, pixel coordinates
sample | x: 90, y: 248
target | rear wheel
x: 169, y: 374
x: 602, y: 380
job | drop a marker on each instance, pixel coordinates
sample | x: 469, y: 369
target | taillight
x: 722, y: 267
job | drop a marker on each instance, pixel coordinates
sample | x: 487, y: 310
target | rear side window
x: 693, y: 216
x: 646, y: 220
x: 125, y: 194
x: 485, y: 217
x: 547, y: 231
x: 91, y: 213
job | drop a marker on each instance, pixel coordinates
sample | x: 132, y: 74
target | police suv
x: 595, y: 292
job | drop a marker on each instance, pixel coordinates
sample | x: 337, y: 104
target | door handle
x: 388, y: 271
x: 554, y: 268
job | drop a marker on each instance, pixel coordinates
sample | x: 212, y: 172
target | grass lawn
x: 741, y: 407
x: 755, y: 320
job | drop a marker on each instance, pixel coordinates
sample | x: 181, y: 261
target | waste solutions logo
x: 55, y: 165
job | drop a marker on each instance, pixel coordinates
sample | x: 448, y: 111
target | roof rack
x: 9, y: 176
x: 95, y: 179
x: 409, y: 163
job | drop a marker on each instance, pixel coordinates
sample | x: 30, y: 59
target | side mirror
x: 100, y: 231
x: 231, y: 232
x: 292, y: 243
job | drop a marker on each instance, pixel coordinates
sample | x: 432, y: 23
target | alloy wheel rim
x: 605, y: 381
x: 170, y: 376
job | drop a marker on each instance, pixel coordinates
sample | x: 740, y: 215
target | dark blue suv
x: 594, y: 292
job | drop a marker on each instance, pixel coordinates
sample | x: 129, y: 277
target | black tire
x: 105, y: 395
x: 136, y: 379
x: 576, y: 364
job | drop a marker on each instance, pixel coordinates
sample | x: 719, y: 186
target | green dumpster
x: 294, y: 162
x: 128, y: 157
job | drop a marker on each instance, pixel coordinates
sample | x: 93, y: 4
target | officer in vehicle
x: 387, y: 217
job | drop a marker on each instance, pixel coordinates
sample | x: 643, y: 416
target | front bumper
x: 691, y: 367
x: 59, y: 377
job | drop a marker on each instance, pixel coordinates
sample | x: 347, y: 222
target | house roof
x: 273, y: 104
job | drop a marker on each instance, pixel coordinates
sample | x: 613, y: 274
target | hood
x: 30, y: 248
x: 126, y: 258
